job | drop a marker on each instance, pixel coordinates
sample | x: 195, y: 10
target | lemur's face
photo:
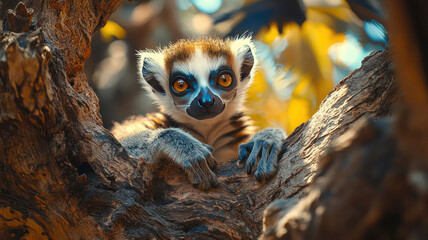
x: 201, y: 79
x: 202, y: 85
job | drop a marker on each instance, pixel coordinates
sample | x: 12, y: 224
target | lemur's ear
x: 243, y: 49
x: 152, y: 70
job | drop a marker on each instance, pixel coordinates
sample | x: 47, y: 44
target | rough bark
x: 373, y: 182
x: 46, y: 105
x: 63, y: 176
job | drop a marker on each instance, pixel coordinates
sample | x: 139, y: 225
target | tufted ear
x: 151, y: 69
x: 245, y: 60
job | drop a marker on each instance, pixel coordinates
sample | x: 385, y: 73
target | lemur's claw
x: 200, y: 174
x: 261, y: 153
x: 198, y: 167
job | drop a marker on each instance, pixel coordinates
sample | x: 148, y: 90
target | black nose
x: 206, y: 104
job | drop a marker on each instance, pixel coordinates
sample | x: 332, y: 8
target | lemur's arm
x: 266, y: 146
x: 180, y: 147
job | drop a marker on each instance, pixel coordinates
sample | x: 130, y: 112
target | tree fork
x: 63, y: 176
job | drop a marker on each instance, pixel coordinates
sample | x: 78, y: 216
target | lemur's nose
x: 206, y: 102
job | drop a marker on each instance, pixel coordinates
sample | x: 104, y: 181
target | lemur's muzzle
x: 206, y: 105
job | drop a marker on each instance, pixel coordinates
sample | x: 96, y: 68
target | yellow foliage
x: 264, y: 106
x: 298, y: 112
x: 110, y: 30
x: 307, y: 58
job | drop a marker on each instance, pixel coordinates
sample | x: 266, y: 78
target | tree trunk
x: 63, y: 176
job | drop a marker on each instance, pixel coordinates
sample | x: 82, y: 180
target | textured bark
x: 63, y: 176
x: 373, y: 182
x: 46, y: 107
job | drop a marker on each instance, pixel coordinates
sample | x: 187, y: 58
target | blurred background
x: 305, y: 46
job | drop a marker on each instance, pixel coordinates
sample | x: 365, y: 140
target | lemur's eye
x: 180, y: 85
x: 225, y: 80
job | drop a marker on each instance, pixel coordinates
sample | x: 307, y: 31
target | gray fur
x: 262, y: 150
x: 176, y: 145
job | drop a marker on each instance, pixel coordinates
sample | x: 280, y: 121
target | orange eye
x: 225, y: 80
x: 180, y: 85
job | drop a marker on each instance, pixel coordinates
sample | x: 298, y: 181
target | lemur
x: 199, y: 86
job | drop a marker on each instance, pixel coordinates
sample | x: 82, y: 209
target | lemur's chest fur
x: 224, y: 136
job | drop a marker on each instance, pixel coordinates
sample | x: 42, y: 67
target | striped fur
x: 225, y: 140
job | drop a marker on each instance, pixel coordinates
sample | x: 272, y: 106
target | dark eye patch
x: 215, y: 74
x: 188, y: 78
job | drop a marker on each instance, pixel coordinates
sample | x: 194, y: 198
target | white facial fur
x: 199, y: 65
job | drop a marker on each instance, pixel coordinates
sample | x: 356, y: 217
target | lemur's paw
x: 262, y: 152
x: 191, y: 155
x: 198, y: 170
x: 197, y: 161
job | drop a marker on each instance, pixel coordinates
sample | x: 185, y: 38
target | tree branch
x: 373, y: 182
